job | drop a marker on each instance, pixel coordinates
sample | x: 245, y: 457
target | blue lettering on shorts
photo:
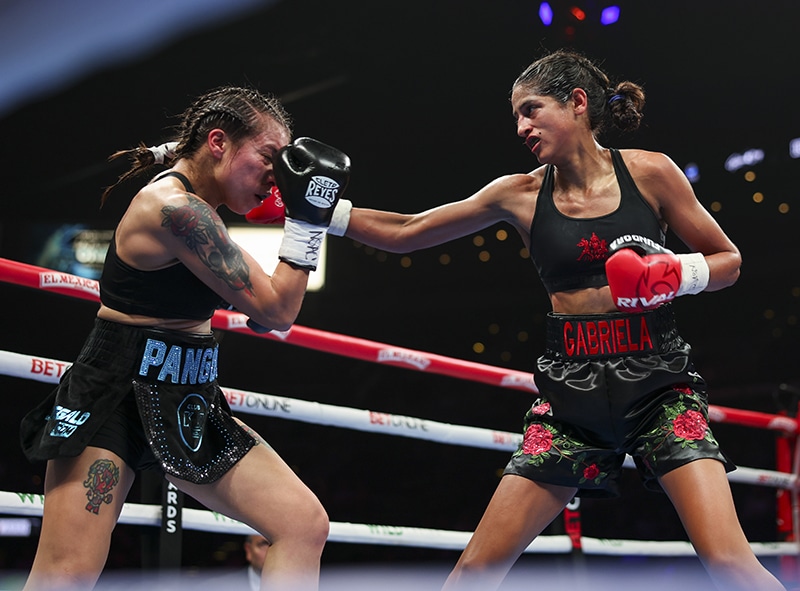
x: 66, y: 421
x: 179, y: 364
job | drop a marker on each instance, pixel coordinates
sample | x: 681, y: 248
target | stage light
x: 578, y: 13
x: 569, y: 18
x: 546, y: 14
x: 692, y: 172
x: 610, y: 15
x: 794, y: 147
x: 749, y: 158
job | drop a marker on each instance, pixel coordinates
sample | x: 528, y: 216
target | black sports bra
x: 171, y: 292
x: 570, y: 253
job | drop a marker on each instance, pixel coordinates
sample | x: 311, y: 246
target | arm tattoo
x: 205, y: 234
x: 103, y: 476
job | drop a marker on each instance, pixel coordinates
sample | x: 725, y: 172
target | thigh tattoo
x: 258, y: 439
x: 103, y: 476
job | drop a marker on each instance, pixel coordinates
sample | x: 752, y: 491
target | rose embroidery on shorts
x: 537, y: 440
x: 546, y: 443
x: 690, y: 425
x: 684, y: 423
x: 541, y: 408
x: 590, y: 473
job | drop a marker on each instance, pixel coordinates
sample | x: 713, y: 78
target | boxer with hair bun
x: 616, y: 377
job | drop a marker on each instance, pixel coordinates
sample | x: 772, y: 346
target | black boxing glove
x: 311, y: 177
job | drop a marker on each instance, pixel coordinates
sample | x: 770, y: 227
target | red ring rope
x: 337, y: 344
x: 89, y: 289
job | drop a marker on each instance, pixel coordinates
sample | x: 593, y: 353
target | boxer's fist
x: 642, y: 274
x: 311, y: 177
x: 271, y: 210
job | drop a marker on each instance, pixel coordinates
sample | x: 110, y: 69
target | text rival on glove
x: 644, y: 303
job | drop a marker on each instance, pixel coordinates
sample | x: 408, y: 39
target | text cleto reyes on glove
x: 311, y: 177
x: 642, y: 274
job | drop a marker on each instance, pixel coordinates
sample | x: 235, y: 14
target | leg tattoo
x: 259, y: 440
x: 103, y: 476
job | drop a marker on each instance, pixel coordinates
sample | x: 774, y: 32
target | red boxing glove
x: 642, y: 274
x: 270, y: 211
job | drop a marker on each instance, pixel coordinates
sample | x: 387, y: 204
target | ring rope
x: 31, y: 505
x: 50, y: 370
x: 89, y: 289
x: 72, y: 285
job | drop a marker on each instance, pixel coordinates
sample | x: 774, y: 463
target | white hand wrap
x: 694, y: 273
x: 301, y: 243
x: 341, y: 217
x: 164, y: 152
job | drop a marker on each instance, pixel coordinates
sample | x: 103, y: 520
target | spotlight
x: 692, y: 172
x: 570, y: 17
x: 748, y: 158
x: 610, y: 15
x: 578, y: 13
x: 546, y: 14
x: 794, y: 148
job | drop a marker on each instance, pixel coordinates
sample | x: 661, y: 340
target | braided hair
x: 238, y: 111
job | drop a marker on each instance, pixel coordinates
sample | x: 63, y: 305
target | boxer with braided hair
x: 143, y: 392
x: 616, y: 378
x: 239, y: 107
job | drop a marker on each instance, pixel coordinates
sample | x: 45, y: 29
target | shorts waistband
x: 617, y: 334
x: 152, y: 354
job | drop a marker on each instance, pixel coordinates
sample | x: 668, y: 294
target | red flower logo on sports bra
x: 594, y: 249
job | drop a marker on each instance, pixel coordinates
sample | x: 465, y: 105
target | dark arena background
x: 416, y: 93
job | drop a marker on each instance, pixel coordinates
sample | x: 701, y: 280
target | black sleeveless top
x: 570, y: 253
x: 171, y: 292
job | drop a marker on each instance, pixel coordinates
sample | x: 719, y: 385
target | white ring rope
x: 31, y: 505
x: 50, y: 370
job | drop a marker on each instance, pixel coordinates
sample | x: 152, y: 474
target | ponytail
x: 626, y: 103
x: 142, y: 158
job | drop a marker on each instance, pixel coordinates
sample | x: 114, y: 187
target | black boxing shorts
x: 150, y: 396
x: 611, y: 385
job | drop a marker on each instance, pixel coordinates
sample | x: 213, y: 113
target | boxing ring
x: 171, y: 514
